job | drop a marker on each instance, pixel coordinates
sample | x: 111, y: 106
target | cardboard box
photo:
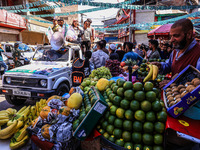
x: 186, y: 75
x: 91, y: 119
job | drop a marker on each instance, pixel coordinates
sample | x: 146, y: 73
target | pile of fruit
x: 113, y: 65
x: 127, y: 63
x: 102, y: 72
x: 175, y: 92
x: 150, y: 72
x: 14, y: 123
x: 157, y: 60
x: 88, y: 101
x: 136, y: 116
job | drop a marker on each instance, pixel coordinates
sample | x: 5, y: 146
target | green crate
x: 91, y: 119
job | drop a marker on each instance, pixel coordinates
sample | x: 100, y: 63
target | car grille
x: 29, y: 82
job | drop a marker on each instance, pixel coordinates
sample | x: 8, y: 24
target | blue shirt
x: 1, y: 58
x: 166, y: 66
x: 133, y: 56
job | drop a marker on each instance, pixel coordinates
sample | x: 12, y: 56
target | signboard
x: 37, y: 28
x: 12, y: 19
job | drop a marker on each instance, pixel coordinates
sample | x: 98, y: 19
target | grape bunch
x: 113, y: 65
x: 101, y: 72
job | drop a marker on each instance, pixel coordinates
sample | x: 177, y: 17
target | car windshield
x: 47, y: 54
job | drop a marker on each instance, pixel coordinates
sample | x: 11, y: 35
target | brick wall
x: 70, y: 18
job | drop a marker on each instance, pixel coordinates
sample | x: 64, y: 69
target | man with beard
x: 186, y: 48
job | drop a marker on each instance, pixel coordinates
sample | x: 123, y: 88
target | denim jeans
x: 3, y: 64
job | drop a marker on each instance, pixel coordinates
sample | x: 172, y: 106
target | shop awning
x: 161, y: 30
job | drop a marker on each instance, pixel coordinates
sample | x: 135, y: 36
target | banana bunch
x: 153, y: 72
x: 20, y: 137
x: 8, y: 131
x: 6, y: 115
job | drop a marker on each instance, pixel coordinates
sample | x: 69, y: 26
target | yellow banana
x: 8, y: 130
x: 155, y: 72
x: 16, y: 145
x: 20, y: 124
x: 37, y: 106
x: 22, y: 133
x: 26, y: 111
x: 148, y: 77
x: 33, y: 110
x: 11, y: 111
x: 21, y: 110
x: 3, y: 121
x: 3, y: 112
x: 4, y: 117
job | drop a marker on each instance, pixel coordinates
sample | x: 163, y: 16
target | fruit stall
x: 108, y: 111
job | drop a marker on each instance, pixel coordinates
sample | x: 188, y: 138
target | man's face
x: 55, y: 22
x: 178, y: 38
x: 164, y: 47
x: 86, y: 24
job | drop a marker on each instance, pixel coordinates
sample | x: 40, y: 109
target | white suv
x: 43, y: 77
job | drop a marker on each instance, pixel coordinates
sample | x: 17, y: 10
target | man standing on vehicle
x: 56, y: 26
x: 2, y: 63
x: 16, y: 55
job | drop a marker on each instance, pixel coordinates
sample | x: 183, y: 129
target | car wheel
x: 14, y: 101
x: 62, y: 89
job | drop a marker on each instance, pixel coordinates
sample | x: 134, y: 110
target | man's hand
x: 157, y: 64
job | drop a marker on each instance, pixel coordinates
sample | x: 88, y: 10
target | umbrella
x: 161, y: 30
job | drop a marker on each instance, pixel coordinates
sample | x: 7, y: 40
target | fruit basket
x: 182, y: 92
x: 88, y: 123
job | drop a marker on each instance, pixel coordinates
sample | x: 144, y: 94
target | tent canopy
x: 161, y: 30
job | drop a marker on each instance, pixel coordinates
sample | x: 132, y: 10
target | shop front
x: 10, y: 26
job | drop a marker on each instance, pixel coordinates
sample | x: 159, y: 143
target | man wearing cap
x: 91, y: 28
x: 16, y: 55
x: 113, y: 54
x: 56, y: 27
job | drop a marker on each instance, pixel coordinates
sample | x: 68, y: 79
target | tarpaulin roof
x: 161, y: 30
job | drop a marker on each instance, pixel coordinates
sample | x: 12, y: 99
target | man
x: 86, y: 36
x: 2, y: 63
x: 16, y: 55
x: 56, y: 27
x: 63, y: 26
x: 186, y: 48
x: 92, y: 29
x: 130, y: 54
x: 154, y: 47
x: 120, y: 52
x: 60, y: 22
x: 113, y: 54
x: 163, y: 51
x: 140, y: 50
x: 104, y: 47
x: 99, y: 57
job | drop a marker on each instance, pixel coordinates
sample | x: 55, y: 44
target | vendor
x: 130, y: 54
x: 186, y: 48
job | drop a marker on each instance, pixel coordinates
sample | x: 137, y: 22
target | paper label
x: 100, y: 108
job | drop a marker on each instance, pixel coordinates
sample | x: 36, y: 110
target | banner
x: 143, y: 26
x: 23, y: 8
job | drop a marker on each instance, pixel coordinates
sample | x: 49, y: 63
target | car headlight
x: 8, y: 80
x: 43, y: 83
